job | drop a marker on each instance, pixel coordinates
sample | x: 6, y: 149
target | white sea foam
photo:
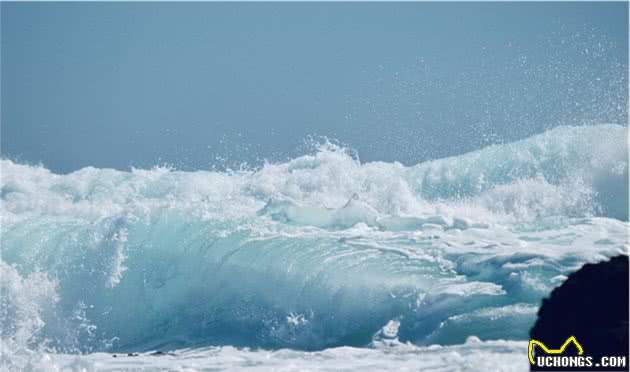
x: 473, y: 355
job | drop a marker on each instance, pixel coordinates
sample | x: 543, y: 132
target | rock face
x: 592, y: 305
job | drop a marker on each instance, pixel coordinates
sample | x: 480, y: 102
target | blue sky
x: 197, y: 85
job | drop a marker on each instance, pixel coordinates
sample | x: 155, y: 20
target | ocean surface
x: 322, y: 262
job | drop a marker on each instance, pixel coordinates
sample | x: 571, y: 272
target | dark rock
x: 592, y: 305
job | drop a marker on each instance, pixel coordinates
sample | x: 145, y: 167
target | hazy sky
x: 201, y: 84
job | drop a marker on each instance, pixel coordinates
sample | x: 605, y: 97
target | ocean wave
x: 317, y: 252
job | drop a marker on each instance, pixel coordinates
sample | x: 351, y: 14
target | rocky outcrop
x: 592, y: 305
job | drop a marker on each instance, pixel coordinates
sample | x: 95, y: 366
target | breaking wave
x: 317, y: 252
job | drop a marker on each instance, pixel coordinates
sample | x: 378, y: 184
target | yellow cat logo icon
x: 530, y: 348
